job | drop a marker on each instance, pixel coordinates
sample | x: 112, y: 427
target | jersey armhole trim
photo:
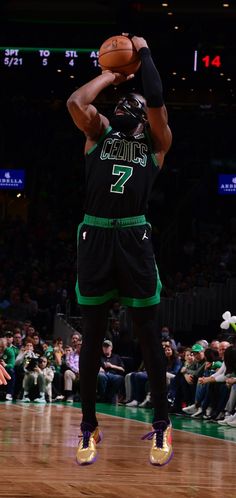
x: 154, y: 158
x: 98, y: 142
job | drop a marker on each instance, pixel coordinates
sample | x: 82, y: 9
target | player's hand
x: 138, y: 41
x: 4, y: 376
x: 118, y: 77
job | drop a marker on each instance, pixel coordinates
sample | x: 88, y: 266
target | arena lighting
x: 174, y: 73
x: 225, y: 5
x: 59, y: 70
x: 18, y: 195
x: 164, y: 4
x: 176, y: 27
x: 170, y: 13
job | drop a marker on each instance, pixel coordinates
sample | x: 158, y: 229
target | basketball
x: 119, y: 55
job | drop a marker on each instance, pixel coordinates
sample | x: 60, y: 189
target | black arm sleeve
x: 152, y: 85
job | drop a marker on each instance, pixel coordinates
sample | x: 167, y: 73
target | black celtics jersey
x: 120, y: 171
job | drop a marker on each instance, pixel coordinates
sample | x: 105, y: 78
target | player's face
x: 133, y: 105
x: 129, y: 114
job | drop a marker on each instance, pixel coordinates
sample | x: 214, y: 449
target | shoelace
x: 85, y: 437
x: 158, y: 434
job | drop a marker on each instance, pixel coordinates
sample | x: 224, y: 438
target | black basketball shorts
x: 115, y: 260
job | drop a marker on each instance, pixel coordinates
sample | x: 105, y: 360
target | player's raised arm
x: 84, y: 114
x: 153, y: 93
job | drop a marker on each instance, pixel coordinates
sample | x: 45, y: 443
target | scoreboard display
x: 45, y: 70
x: 56, y: 58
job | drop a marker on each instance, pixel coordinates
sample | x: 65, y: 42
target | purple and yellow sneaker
x: 161, y: 450
x: 87, y: 451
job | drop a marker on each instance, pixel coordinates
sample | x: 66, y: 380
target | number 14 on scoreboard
x: 208, y: 61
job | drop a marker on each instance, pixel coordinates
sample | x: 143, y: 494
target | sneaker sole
x: 163, y: 464
x: 85, y: 464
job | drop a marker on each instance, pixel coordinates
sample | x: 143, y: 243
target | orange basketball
x: 119, y: 55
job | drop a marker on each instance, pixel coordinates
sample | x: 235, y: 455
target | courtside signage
x: 12, y: 179
x: 227, y: 184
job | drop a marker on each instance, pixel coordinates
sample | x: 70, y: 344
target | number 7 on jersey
x: 125, y: 172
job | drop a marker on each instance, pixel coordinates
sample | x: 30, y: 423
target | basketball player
x: 115, y: 255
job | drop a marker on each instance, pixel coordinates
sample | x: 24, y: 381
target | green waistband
x: 114, y: 222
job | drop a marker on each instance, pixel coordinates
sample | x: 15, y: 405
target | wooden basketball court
x: 38, y: 447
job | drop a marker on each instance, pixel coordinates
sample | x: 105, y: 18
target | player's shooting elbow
x: 73, y: 104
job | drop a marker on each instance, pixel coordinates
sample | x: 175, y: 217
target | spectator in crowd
x: 53, y: 351
x: 58, y: 349
x: 218, y: 392
x: 10, y: 338
x: 173, y: 365
x: 38, y: 344
x: 135, y: 386
x: 71, y: 372
x: 7, y: 361
x: 37, y: 381
x: 212, y: 364
x: 25, y: 329
x: 230, y: 380
x: 215, y: 344
x: 17, y: 339
x: 75, y: 337
x: 111, y: 375
x: 28, y: 331
x: 48, y: 351
x: 22, y: 360
x: 186, y: 379
x: 166, y: 336
x: 48, y: 374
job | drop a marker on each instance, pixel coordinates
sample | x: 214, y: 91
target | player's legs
x: 145, y: 327
x: 154, y: 358
x: 94, y: 329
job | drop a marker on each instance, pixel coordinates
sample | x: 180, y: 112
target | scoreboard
x: 59, y: 58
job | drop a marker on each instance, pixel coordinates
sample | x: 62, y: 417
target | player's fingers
x: 129, y: 35
x: 2, y: 379
x: 4, y: 373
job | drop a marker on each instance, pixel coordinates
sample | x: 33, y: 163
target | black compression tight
x: 94, y: 328
x: 145, y: 327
